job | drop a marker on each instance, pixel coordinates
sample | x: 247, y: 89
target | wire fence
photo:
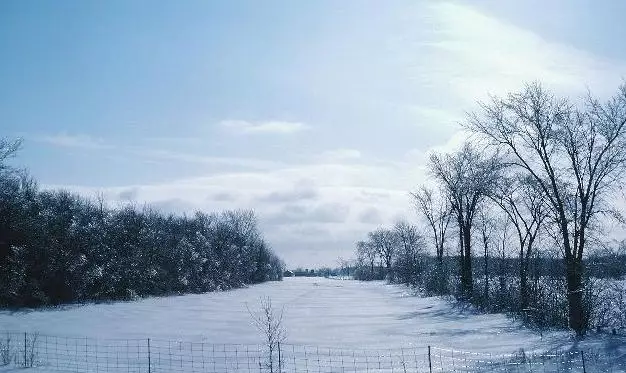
x: 587, y: 360
x: 40, y: 352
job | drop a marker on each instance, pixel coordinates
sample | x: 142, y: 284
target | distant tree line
x: 58, y: 247
x: 515, y: 219
x: 319, y: 272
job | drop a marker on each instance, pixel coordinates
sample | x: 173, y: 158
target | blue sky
x: 317, y: 114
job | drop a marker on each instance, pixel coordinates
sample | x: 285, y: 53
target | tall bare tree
x: 487, y: 226
x: 577, y: 157
x: 384, y: 240
x: 466, y: 178
x: 525, y: 208
x: 437, y: 212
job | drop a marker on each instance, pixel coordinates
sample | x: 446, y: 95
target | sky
x: 319, y: 115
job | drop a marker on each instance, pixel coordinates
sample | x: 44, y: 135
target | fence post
x: 25, y: 365
x: 430, y: 363
x: 149, y: 362
x: 582, y: 356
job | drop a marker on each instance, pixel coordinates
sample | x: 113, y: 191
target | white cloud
x: 370, y: 215
x: 300, y: 192
x: 340, y: 155
x: 268, y: 127
x: 177, y: 156
x: 477, y: 54
x: 312, y: 197
x: 419, y: 157
x: 156, y: 155
x: 428, y: 117
x: 73, y: 141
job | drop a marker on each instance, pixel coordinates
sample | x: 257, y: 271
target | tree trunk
x: 486, y: 270
x: 523, y: 279
x: 523, y: 286
x: 461, y: 254
x: 576, y: 313
x: 466, y: 269
x: 441, y: 287
x: 574, y: 273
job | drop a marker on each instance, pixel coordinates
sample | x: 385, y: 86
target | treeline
x: 516, y: 218
x: 319, y: 272
x: 496, y: 279
x: 58, y: 247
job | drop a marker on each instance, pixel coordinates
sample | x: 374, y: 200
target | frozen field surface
x: 317, y: 312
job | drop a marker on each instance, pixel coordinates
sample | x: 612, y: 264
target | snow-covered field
x: 317, y: 312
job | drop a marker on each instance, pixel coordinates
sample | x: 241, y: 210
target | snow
x: 317, y: 311
x: 358, y: 325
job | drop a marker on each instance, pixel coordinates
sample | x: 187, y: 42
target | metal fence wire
x: 582, y: 360
x: 47, y: 353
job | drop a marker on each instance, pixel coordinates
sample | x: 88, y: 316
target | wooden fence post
x: 430, y: 363
x: 149, y: 362
x: 582, y: 356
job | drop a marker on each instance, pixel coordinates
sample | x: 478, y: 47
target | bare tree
x: 410, y: 244
x: 8, y: 150
x: 577, y: 157
x: 466, y: 178
x: 437, y: 212
x: 525, y: 208
x: 384, y: 241
x: 501, y: 252
x: 344, y: 266
x: 269, y: 321
x: 487, y: 226
x: 367, y: 252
